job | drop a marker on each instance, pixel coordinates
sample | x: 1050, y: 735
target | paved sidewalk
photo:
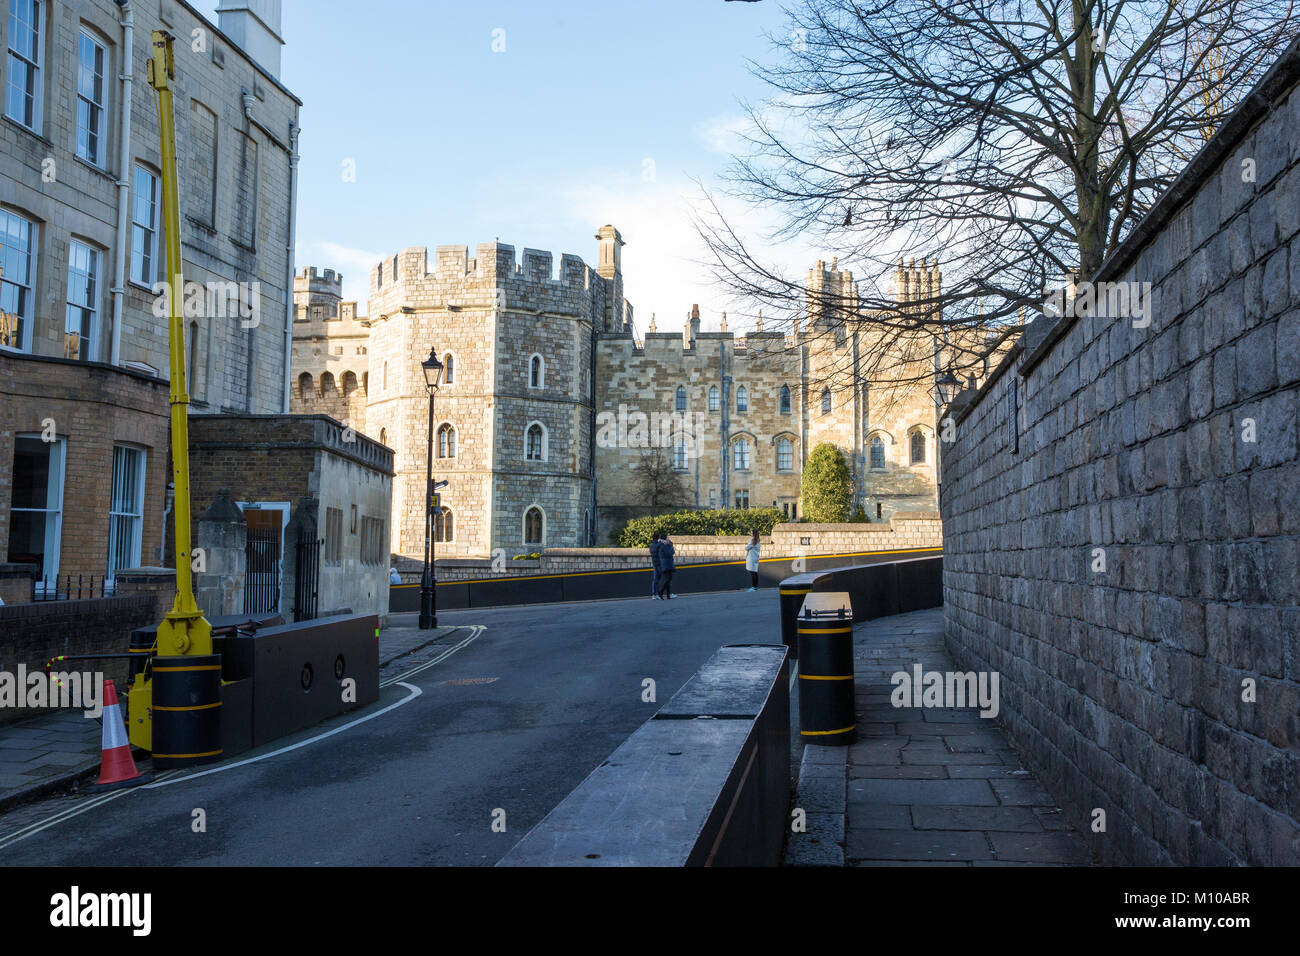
x: 54, y: 750
x: 922, y: 787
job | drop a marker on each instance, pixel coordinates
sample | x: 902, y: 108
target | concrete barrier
x: 705, y: 782
x: 595, y: 585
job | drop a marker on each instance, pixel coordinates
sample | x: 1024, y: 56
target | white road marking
x: 415, y: 692
x: 168, y: 778
x: 474, y: 632
x: 95, y: 801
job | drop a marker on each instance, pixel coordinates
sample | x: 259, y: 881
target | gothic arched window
x: 917, y: 440
x: 877, y: 453
x: 446, y: 441
x: 534, y: 526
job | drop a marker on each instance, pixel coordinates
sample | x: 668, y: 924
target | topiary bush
x: 827, y: 489
x: 637, y: 532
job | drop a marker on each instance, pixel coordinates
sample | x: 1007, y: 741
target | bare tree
x: 1018, y: 141
x: 657, y: 483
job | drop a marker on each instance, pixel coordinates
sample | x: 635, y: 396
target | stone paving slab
x: 930, y: 786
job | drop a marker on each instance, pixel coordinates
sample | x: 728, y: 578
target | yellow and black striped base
x: 791, y: 600
x: 186, y: 710
x: 826, y: 711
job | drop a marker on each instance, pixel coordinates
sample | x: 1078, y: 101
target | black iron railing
x: 70, y: 588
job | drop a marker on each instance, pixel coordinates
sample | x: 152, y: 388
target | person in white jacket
x: 752, y: 553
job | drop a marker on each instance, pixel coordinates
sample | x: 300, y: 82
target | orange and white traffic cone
x: 118, y: 767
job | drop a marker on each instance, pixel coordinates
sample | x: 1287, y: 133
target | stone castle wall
x: 1121, y: 533
x: 786, y: 541
x: 490, y: 315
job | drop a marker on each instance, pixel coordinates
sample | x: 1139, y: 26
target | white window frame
x: 33, y: 66
x: 135, y: 519
x: 789, y: 443
x: 545, y: 441
x: 153, y: 230
x: 28, y: 286
x: 714, y: 403
x: 58, y: 449
x: 681, y: 456
x: 541, y: 371
x: 741, y: 454
x: 88, y: 310
x: 94, y: 108
x: 742, y: 399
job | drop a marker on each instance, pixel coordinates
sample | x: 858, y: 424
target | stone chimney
x: 254, y: 26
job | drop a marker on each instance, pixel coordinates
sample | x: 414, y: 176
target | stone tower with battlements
x: 536, y: 423
x: 513, y: 427
x: 330, y: 350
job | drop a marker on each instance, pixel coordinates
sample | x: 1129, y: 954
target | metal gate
x: 306, y: 586
x: 262, y: 577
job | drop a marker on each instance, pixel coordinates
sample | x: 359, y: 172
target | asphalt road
x: 549, y: 691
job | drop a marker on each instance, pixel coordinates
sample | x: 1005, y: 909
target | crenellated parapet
x: 496, y: 278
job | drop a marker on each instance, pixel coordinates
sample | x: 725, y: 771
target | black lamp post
x: 429, y: 582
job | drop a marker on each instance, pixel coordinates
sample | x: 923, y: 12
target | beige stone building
x: 555, y: 424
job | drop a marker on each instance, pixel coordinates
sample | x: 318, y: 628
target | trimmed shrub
x: 637, y: 532
x: 827, y: 489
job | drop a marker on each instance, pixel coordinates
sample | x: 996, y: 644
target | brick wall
x: 31, y: 634
x: 1170, y: 453
x: 91, y: 407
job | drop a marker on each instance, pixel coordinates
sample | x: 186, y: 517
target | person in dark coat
x: 666, y: 568
x: 655, y: 564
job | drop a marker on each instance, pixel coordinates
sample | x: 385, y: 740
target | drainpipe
x: 250, y: 372
x: 288, y: 288
x: 123, y: 179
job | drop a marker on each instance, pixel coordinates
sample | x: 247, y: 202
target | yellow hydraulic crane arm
x: 183, y: 630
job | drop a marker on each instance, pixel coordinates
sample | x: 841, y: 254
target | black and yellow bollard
x: 826, y: 712
x: 141, y: 649
x: 792, y: 595
x: 186, y: 710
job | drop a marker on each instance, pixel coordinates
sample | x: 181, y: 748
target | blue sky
x: 537, y: 145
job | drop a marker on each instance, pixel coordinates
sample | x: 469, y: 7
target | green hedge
x: 720, y: 521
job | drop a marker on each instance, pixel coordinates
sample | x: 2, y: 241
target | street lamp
x: 948, y: 386
x: 428, y: 583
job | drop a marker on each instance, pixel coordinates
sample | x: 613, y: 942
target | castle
x: 553, y: 424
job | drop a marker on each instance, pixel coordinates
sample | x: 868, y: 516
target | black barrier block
x: 236, y: 717
x: 685, y: 790
x: 596, y: 587
x: 293, y: 671
x: 920, y: 584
